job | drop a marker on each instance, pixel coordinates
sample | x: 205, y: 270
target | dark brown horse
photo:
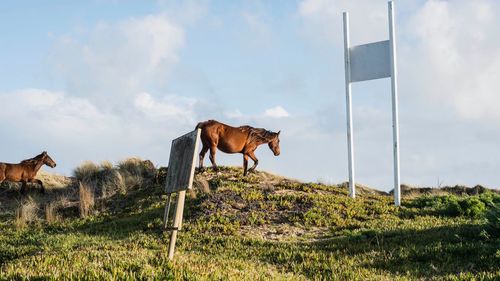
x: 244, y: 140
x: 25, y: 171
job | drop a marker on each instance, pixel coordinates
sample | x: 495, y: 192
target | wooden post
x: 179, y: 210
x: 180, y: 177
x: 167, y: 210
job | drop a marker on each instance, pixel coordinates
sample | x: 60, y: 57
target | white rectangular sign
x: 367, y: 62
x: 370, y: 61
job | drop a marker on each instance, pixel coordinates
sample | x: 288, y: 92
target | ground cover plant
x: 106, y: 223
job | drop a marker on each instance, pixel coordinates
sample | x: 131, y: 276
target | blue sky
x: 105, y: 80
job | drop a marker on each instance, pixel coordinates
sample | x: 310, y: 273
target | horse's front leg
x: 245, y: 164
x: 23, y: 187
x: 255, y: 161
x: 42, y: 190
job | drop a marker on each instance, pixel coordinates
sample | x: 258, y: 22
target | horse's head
x: 47, y: 160
x: 274, y: 144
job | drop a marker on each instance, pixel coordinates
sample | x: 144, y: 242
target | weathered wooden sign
x: 182, y: 162
x: 180, y: 176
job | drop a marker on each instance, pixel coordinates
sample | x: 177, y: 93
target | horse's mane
x: 33, y: 160
x: 258, y: 134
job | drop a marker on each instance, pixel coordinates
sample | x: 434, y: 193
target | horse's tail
x: 3, y: 167
x: 201, y: 125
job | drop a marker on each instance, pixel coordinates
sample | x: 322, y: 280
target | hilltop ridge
x: 106, y: 222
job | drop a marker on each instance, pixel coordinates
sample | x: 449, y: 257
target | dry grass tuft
x: 133, y: 181
x: 191, y: 193
x: 107, y: 180
x: 111, y: 182
x: 106, y: 165
x: 202, y: 185
x: 53, y: 181
x: 51, y: 214
x: 86, y: 200
x: 86, y: 171
x: 26, y: 213
x: 137, y: 167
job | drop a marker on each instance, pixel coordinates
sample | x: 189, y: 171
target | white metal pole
x: 350, y: 144
x: 395, y: 121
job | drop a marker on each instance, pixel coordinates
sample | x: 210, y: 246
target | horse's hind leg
x: 202, y: 156
x: 245, y: 164
x: 213, y: 149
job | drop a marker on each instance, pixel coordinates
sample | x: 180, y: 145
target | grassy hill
x: 106, y: 223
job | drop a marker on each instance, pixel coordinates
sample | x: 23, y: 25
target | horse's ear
x: 45, y: 152
x: 279, y: 132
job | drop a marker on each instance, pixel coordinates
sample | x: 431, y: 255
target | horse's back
x: 228, y: 139
x: 208, y: 123
x: 212, y: 126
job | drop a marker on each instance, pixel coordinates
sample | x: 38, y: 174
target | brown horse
x: 25, y: 171
x: 244, y: 140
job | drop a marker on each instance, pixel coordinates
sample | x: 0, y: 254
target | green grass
x: 259, y: 228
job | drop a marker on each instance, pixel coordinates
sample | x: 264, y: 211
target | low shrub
x: 451, y: 205
x: 472, y: 207
x: 493, y: 218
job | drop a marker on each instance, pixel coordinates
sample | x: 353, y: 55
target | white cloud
x: 73, y: 129
x: 173, y: 107
x: 276, y: 112
x: 112, y: 62
x: 53, y: 115
x: 111, y: 106
x: 455, y: 60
